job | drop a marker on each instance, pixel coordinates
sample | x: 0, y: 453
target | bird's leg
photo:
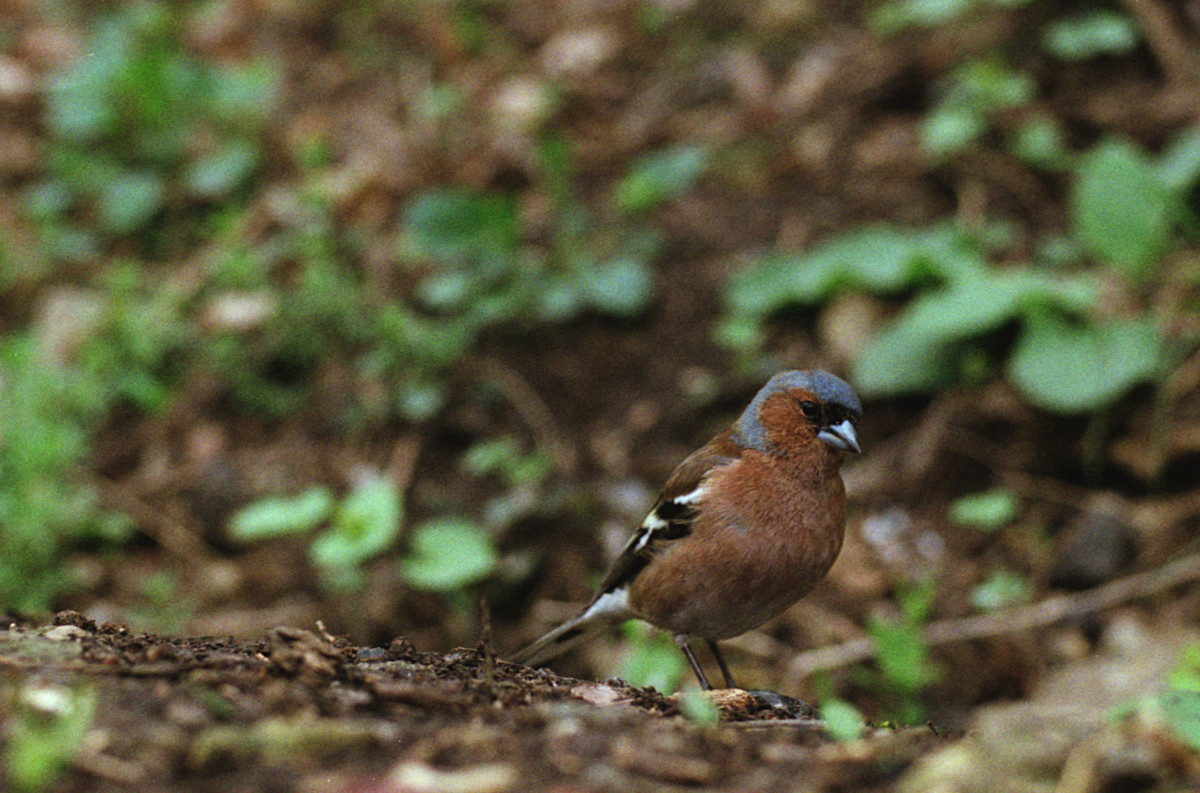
x: 716, y: 651
x: 681, y: 641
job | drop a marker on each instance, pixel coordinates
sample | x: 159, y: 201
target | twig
x: 1036, y: 615
x: 162, y: 525
x: 1174, y: 52
x: 402, y: 463
x: 532, y: 409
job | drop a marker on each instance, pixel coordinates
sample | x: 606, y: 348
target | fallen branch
x: 1036, y: 615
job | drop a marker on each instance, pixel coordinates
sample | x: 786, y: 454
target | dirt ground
x: 298, y: 711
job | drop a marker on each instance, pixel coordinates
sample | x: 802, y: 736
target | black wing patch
x: 670, y: 520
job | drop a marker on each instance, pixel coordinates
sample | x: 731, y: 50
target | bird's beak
x: 841, y: 436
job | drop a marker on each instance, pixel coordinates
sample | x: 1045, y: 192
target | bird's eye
x: 811, y: 410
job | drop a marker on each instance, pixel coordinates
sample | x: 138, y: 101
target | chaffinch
x: 743, y: 528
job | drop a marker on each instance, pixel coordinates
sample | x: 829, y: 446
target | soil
x: 300, y: 711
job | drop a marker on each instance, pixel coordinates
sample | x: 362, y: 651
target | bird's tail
x: 571, y: 633
x: 606, y: 609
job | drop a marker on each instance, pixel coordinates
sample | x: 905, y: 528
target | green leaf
x: 902, y: 654
x: 902, y: 360
x: 886, y: 260
x: 699, y: 709
x: 916, y: 600
x: 1001, y: 589
x: 1182, y: 711
x: 558, y: 299
x: 45, y: 733
x: 449, y: 290
x: 896, y: 15
x: 364, y: 524
x: 739, y: 333
x: 1071, y: 368
x: 129, y: 200
x: 775, y: 281
x: 988, y: 510
x: 1040, y: 141
x: 1091, y: 34
x: 448, y: 554
x: 901, y: 650
x: 969, y: 307
x: 1120, y: 210
x: 622, y: 287
x: 277, y: 517
x: 79, y: 103
x: 949, y: 127
x: 917, y: 352
x: 989, y: 84
x: 461, y: 224
x: 879, y: 259
x: 1179, y: 163
x: 221, y: 172
x: 653, y: 659
x: 47, y: 199
x: 982, y: 301
x: 420, y: 400
x: 971, y: 95
x: 246, y: 92
x: 1185, y: 675
x: 842, y: 720
x: 660, y: 177
x: 487, y: 457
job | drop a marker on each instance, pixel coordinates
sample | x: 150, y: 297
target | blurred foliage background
x: 361, y: 311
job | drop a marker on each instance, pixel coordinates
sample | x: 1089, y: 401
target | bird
x: 744, y: 527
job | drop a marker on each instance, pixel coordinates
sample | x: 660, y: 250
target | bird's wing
x: 673, y: 514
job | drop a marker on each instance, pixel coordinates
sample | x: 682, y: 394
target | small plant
x: 1000, y: 590
x: 282, y: 516
x: 1180, y: 702
x: 1128, y: 211
x: 985, y: 92
x: 842, y: 721
x: 139, y: 129
x: 447, y: 553
x: 896, y: 15
x: 699, y: 709
x: 503, y: 457
x: 971, y: 96
x: 45, y: 728
x: 902, y: 654
x: 357, y: 528
x: 988, y: 510
x: 659, y: 177
x: 523, y: 474
x: 1091, y: 34
x: 652, y: 659
x: 477, y: 269
x: 364, y: 524
x: 45, y: 506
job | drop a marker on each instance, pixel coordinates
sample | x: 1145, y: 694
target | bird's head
x: 797, y: 408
